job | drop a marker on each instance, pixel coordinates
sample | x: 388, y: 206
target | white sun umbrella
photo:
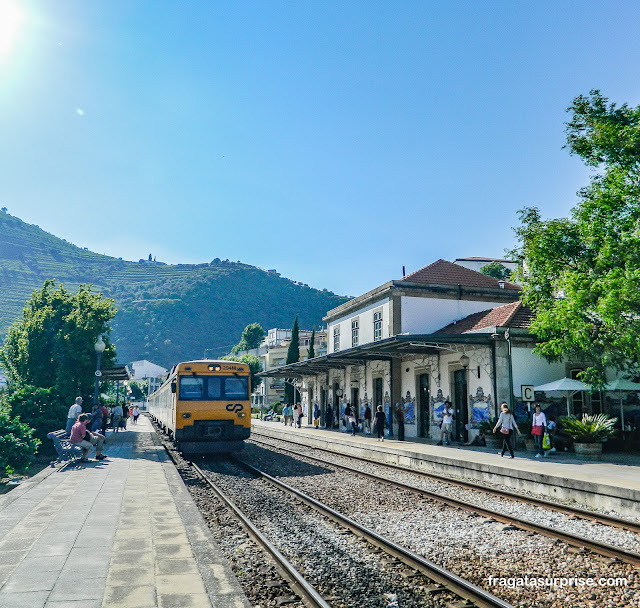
x: 621, y: 386
x: 567, y: 387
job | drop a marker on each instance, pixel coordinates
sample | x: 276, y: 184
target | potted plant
x: 486, y: 427
x: 589, y: 433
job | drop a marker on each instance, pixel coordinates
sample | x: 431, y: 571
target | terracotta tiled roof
x: 442, y: 272
x: 510, y: 315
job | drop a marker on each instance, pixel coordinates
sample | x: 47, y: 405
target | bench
x: 67, y: 451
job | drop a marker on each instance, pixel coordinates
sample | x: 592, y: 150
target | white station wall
x: 529, y: 368
x: 428, y: 315
x: 365, y: 325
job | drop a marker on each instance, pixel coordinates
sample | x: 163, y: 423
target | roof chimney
x: 403, y: 272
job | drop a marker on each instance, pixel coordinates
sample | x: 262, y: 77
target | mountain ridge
x: 166, y: 313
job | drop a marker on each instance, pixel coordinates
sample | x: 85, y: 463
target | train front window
x: 214, y: 388
x: 191, y: 387
x: 236, y: 388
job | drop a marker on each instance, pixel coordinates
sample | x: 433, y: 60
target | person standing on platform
x: 116, y: 417
x: 105, y: 419
x: 367, y: 420
x: 328, y: 417
x: 136, y: 414
x: 551, y: 428
x: 298, y: 414
x: 379, y: 422
x: 446, y: 426
x: 316, y: 416
x: 538, y: 429
x: 507, y: 424
x: 353, y: 422
x: 346, y: 416
x: 95, y: 423
x: 400, y: 421
x: 74, y: 411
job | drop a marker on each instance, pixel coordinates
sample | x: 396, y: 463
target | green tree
x: 139, y: 389
x: 252, y: 336
x: 581, y: 275
x: 496, y: 270
x: 293, y: 356
x: 51, y: 346
x: 254, y: 363
x: 312, y: 348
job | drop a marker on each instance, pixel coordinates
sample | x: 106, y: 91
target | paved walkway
x: 117, y: 533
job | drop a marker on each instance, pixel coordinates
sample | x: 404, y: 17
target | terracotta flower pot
x: 593, y: 450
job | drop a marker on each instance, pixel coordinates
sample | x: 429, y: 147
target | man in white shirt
x: 447, y: 423
x: 74, y: 411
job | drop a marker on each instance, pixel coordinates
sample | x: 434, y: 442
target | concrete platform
x: 613, y: 484
x: 118, y: 533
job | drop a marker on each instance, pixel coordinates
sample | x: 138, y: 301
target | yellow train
x: 205, y: 406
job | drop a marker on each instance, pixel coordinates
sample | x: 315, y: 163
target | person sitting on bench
x: 86, y: 439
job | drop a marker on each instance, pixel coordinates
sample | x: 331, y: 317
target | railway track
x: 574, y: 540
x: 616, y: 522
x: 298, y: 583
x: 470, y: 594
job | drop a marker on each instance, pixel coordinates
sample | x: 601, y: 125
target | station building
x: 442, y: 333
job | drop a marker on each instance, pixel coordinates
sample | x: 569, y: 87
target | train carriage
x: 205, y: 406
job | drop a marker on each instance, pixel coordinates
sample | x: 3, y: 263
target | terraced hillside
x: 166, y: 313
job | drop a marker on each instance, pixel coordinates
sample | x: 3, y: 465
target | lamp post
x: 99, y: 347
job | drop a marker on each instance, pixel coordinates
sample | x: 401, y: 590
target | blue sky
x: 334, y: 141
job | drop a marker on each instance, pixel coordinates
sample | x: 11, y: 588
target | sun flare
x: 10, y: 18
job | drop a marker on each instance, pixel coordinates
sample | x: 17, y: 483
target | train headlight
x: 241, y: 415
x: 186, y: 415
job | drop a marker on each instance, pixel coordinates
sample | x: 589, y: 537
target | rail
x: 451, y: 581
x: 570, y: 539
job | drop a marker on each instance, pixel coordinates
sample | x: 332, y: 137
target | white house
x: 477, y: 264
x: 143, y: 369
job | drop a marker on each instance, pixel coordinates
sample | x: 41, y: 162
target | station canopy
x: 116, y: 373
x: 398, y: 347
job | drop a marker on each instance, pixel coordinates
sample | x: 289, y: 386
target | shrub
x: 40, y: 408
x: 18, y: 446
x: 591, y: 429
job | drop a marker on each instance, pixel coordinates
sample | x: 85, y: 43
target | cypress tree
x: 293, y: 356
x: 312, y: 348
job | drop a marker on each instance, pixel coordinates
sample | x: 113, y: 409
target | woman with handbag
x: 507, y: 424
x: 538, y: 429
